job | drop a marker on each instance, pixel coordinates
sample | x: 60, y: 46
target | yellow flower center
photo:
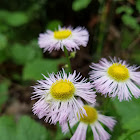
x: 62, y: 90
x: 62, y: 34
x: 91, y: 117
x: 118, y: 72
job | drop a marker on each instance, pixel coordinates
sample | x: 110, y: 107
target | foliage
x: 33, y: 70
x: 3, y: 41
x: 127, y: 17
x: 22, y: 55
x: 13, y: 18
x: 54, y: 24
x: 22, y: 61
x: 26, y: 128
x: 78, y: 5
x: 130, y: 116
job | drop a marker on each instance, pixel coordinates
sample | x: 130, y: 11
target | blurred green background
x: 114, y: 28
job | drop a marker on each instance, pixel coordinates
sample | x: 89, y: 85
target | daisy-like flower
x: 58, y: 97
x: 93, y: 120
x: 68, y: 37
x: 116, y: 78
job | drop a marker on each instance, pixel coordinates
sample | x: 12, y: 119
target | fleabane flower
x: 92, y: 119
x: 68, y: 37
x: 58, y: 94
x: 116, y: 78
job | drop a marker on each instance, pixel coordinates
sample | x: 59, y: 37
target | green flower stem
x: 130, y: 134
x: 68, y: 59
x: 70, y: 70
x: 70, y: 128
x: 106, y: 104
x: 102, y: 28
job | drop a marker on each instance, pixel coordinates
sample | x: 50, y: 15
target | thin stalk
x: 106, y: 10
x: 106, y: 104
x: 70, y: 70
x: 70, y: 128
x: 68, y: 59
x: 130, y: 134
x: 101, y: 29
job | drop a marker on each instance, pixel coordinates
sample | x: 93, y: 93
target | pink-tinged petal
x: 108, y: 121
x: 104, y: 135
x: 95, y: 134
x: 80, y: 133
x: 57, y: 110
x: 79, y: 37
x: 106, y: 85
x: 64, y: 126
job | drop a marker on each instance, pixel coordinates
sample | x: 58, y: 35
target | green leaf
x: 130, y: 115
x: 136, y: 56
x: 7, y: 128
x: 13, y: 18
x: 33, y: 70
x: 3, y: 56
x: 21, y: 54
x: 78, y: 5
x: 127, y: 38
x: 3, y: 15
x: 34, y: 45
x: 60, y: 136
x: 138, y: 5
x: 3, y: 41
x: 53, y: 25
x: 28, y: 129
x: 17, y: 19
x: 130, y: 21
x: 126, y: 9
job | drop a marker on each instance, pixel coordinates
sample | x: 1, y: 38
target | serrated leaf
x: 28, y: 129
x: 33, y: 70
x: 78, y: 5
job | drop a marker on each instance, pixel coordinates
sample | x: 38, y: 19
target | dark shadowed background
x: 114, y: 28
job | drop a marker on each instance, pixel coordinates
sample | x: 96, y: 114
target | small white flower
x: 116, y: 78
x: 93, y: 120
x: 68, y: 37
x: 58, y: 97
